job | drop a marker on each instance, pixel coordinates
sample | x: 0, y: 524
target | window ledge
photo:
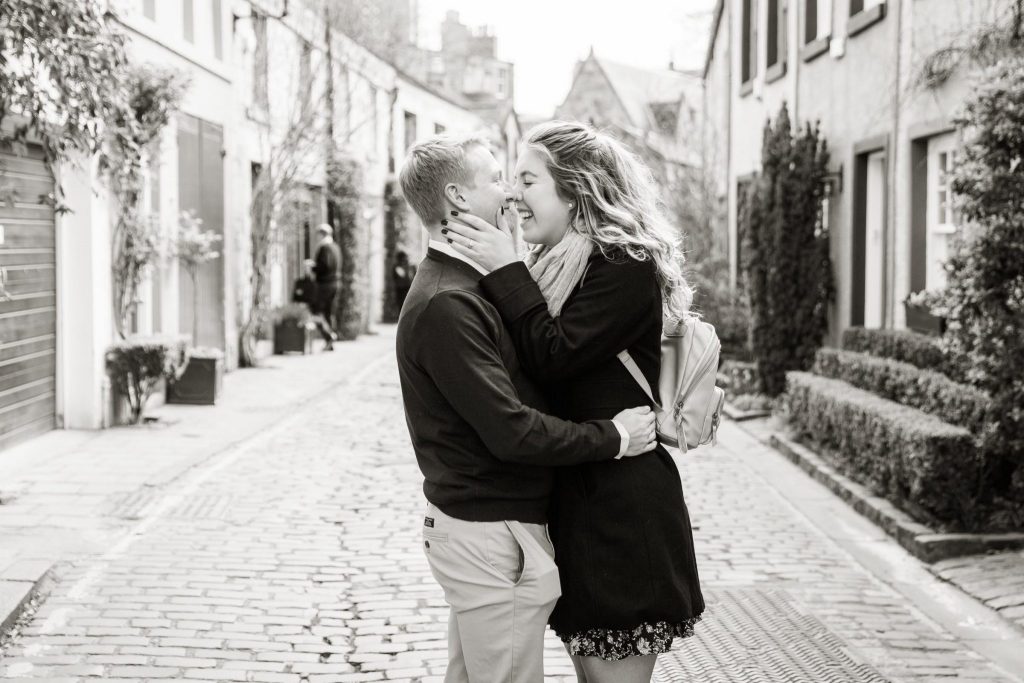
x: 775, y: 72
x: 815, y: 48
x: 746, y: 87
x: 863, y: 19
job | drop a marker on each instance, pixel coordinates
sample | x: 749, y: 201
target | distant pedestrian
x: 327, y: 273
x: 401, y: 277
x: 304, y: 288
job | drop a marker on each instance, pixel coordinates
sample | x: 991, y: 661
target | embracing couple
x: 536, y: 444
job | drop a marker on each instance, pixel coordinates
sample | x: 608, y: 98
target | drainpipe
x: 894, y: 156
x: 793, y: 42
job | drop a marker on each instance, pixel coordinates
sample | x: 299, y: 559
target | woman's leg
x: 577, y: 663
x: 628, y: 670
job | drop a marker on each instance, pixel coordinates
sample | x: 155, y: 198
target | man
x: 484, y: 452
x: 401, y: 277
x: 327, y: 273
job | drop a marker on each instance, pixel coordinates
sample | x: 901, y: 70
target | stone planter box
x: 920, y: 319
x: 291, y: 336
x: 200, y: 384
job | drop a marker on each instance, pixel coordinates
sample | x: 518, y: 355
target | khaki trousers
x: 501, y: 582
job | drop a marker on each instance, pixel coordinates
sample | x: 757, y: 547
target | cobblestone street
x: 295, y: 556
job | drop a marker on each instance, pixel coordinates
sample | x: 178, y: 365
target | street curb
x: 16, y: 594
x: 918, y: 539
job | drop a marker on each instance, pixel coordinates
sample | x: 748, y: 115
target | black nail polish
x: 444, y: 221
x: 455, y: 213
x: 444, y: 231
x: 449, y: 241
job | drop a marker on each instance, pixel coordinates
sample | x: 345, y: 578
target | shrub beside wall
x: 789, y: 271
x: 927, y: 390
x: 902, y: 345
x: 911, y: 458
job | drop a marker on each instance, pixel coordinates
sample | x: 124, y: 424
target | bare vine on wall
x: 152, y: 97
x: 981, y: 47
x: 62, y: 80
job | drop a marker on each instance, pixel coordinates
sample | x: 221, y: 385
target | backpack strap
x: 634, y: 370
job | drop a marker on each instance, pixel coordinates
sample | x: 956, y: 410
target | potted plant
x: 137, y: 365
x: 921, y: 313
x: 293, y: 329
x: 201, y: 381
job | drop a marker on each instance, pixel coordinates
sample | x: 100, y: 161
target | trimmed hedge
x: 905, y: 455
x: 929, y: 391
x: 917, y: 349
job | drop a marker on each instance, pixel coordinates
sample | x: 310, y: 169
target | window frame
x: 818, y: 44
x: 748, y: 45
x: 261, y: 63
x: 863, y: 17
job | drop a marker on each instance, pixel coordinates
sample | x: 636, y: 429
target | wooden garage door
x: 28, y: 297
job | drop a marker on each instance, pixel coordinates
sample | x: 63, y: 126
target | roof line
x: 611, y: 84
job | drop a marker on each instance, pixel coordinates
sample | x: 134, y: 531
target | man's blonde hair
x: 429, y: 167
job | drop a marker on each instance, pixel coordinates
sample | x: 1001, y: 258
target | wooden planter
x: 920, y: 319
x: 200, y: 383
x: 292, y: 336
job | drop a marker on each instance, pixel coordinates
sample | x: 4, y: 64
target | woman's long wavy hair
x: 617, y: 204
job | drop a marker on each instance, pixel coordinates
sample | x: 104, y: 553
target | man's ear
x: 454, y: 194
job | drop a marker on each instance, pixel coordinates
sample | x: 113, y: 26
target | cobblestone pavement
x: 295, y: 557
x: 996, y: 579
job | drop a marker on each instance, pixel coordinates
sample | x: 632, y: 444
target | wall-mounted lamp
x: 834, y: 182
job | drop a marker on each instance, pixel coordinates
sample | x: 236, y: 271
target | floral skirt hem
x: 612, y: 645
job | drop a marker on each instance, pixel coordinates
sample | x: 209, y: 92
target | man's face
x: 485, y: 190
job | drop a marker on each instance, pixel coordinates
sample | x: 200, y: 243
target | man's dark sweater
x: 485, y: 455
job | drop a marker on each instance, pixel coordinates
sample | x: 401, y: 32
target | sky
x: 545, y: 38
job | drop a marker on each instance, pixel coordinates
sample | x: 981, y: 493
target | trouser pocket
x: 503, y: 552
x: 539, y: 572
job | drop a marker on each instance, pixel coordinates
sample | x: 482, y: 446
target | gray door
x: 201, y: 190
x: 28, y: 297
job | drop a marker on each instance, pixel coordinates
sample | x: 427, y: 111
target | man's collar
x: 447, y: 250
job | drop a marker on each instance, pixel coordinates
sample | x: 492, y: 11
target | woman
x: 604, y: 273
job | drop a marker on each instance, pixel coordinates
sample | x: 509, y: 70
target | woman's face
x: 544, y: 215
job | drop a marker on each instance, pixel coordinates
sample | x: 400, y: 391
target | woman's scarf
x: 558, y: 269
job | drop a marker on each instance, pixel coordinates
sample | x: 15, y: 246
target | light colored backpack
x: 689, y: 365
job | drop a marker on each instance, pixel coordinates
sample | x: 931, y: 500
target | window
x: 218, y: 39
x: 260, y: 96
x: 946, y: 216
x: 149, y: 8
x: 188, y: 23
x: 748, y: 53
x: 817, y: 20
x: 501, y: 89
x: 374, y: 95
x: 410, y: 130
x: 776, y: 60
x: 934, y: 218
